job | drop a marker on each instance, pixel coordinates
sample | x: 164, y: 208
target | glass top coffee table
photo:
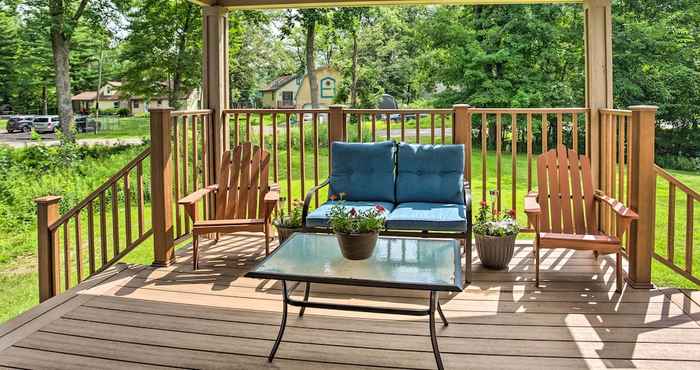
x: 433, y: 265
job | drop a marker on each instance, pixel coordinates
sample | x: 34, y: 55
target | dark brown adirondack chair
x: 563, y: 210
x: 244, y: 199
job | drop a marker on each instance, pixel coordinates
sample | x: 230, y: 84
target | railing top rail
x: 401, y: 110
x: 619, y: 112
x: 275, y: 110
x: 529, y: 110
x: 200, y: 112
x: 670, y: 178
x: 106, y: 185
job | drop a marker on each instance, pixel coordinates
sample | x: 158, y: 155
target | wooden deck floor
x: 142, y: 317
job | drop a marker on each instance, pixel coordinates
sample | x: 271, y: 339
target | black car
x: 20, y: 124
x: 85, y: 124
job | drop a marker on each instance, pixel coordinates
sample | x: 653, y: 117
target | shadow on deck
x: 144, y: 317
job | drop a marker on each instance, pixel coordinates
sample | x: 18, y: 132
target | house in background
x: 293, y: 91
x: 112, y: 98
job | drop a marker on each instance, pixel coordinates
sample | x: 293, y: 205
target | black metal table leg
x: 283, y: 324
x: 307, y: 290
x: 439, y: 310
x: 433, y: 335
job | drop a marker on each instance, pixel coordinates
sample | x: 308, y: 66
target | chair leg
x: 595, y: 254
x: 267, y: 239
x: 195, y: 252
x: 216, y: 238
x: 618, y: 272
x: 537, y: 263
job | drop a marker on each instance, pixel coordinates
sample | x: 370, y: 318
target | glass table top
x: 413, y: 263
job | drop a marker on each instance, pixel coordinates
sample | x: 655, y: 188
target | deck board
x: 144, y: 317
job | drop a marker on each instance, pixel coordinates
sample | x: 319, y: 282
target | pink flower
x: 511, y: 213
x: 379, y: 208
x: 353, y: 212
x: 484, y: 203
x: 332, y: 197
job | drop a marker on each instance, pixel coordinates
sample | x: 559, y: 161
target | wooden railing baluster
x: 78, y: 248
x: 302, y: 155
x: 66, y: 257
x: 288, y: 151
x: 514, y: 153
x: 529, y: 152
x: 127, y: 210
x: 91, y: 237
x: 499, y: 140
x: 115, y: 220
x: 689, y: 210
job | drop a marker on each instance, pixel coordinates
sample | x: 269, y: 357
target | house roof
x: 92, y: 95
x: 279, y: 82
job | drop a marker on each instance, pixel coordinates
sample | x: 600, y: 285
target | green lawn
x: 113, y: 127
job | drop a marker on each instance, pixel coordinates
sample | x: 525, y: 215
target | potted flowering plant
x: 355, y: 230
x: 287, y: 223
x: 495, y: 235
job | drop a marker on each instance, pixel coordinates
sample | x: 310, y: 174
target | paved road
x: 20, y: 140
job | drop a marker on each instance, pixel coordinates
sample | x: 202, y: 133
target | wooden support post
x: 215, y: 82
x: 462, y: 134
x: 599, y: 70
x: 336, y: 127
x: 643, y: 196
x: 161, y: 187
x: 49, y: 255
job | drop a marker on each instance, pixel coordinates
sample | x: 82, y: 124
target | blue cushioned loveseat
x: 421, y: 187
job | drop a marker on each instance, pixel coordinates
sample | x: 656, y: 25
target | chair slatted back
x: 565, y: 193
x: 243, y: 183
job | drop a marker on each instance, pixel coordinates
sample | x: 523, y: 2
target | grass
x: 120, y: 127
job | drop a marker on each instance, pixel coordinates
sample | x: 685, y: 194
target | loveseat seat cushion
x: 363, y: 171
x: 319, y: 216
x: 428, y: 216
x: 430, y: 173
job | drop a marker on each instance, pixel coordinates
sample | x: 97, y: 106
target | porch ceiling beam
x: 273, y: 4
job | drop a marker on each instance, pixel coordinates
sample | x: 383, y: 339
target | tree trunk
x: 60, y: 45
x: 174, y: 92
x: 311, y: 63
x: 353, y: 83
x: 44, y: 101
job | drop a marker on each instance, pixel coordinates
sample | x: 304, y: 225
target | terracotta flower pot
x: 495, y: 252
x: 285, y: 232
x: 357, y: 246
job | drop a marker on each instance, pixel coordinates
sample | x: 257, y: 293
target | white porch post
x: 215, y: 90
x: 599, y: 72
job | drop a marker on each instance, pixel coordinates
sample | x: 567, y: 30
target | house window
x: 327, y: 88
x: 287, y: 96
x: 160, y: 102
x: 116, y: 105
x: 136, y: 104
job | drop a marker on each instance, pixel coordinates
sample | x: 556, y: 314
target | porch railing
x: 182, y: 154
x: 96, y: 233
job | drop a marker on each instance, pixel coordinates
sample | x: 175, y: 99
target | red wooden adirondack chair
x: 563, y: 210
x: 244, y: 200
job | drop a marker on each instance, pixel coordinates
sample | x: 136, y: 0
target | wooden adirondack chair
x: 564, y: 211
x: 244, y: 200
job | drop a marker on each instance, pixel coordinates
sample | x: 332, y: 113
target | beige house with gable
x: 112, y: 98
x: 293, y: 91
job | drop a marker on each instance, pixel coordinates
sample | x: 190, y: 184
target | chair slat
x: 588, y: 198
x: 252, y: 184
x: 222, y: 195
x: 576, y: 193
x: 234, y: 182
x: 264, y: 182
x: 242, y: 204
x: 564, y: 178
x: 543, y: 194
x: 554, y: 196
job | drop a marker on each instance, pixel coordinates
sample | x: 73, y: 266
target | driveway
x: 20, y: 140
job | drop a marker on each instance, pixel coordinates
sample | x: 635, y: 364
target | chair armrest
x: 196, y: 196
x: 532, y: 207
x: 271, y: 198
x: 468, y: 201
x: 307, y: 200
x: 616, y: 206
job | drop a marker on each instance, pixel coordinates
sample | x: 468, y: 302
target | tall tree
x: 162, y: 53
x: 9, y: 49
x: 309, y: 19
x: 351, y: 20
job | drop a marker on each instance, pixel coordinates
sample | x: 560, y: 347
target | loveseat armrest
x: 468, y: 201
x: 307, y: 200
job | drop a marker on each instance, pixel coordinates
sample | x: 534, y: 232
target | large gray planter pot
x: 495, y: 252
x: 357, y: 246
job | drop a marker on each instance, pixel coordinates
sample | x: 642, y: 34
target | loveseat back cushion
x: 430, y: 173
x: 363, y: 171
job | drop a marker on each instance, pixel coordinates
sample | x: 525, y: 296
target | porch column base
x: 636, y: 285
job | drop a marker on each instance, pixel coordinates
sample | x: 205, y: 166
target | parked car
x: 43, y: 124
x: 85, y: 124
x: 20, y: 124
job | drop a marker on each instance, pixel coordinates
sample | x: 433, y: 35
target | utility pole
x: 99, y: 86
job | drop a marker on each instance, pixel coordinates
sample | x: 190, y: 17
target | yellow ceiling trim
x: 281, y: 4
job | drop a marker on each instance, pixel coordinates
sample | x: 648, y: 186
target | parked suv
x: 20, y: 124
x: 43, y: 124
x: 85, y: 124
